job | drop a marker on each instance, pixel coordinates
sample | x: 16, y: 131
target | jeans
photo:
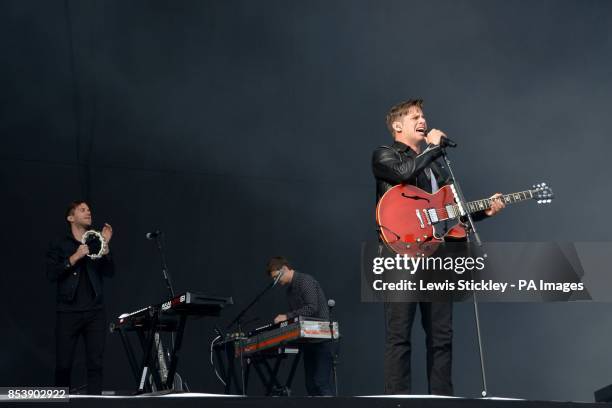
x: 318, y: 360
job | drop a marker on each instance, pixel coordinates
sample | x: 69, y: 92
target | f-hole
x: 414, y: 197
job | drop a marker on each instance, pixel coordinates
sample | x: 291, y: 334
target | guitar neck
x: 485, y: 204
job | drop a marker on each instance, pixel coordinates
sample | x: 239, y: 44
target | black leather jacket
x: 67, y: 276
x: 399, y: 164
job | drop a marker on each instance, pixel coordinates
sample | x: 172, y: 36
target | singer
x: 306, y: 298
x: 405, y: 161
x: 80, y: 303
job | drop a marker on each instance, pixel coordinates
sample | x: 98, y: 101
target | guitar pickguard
x: 441, y: 229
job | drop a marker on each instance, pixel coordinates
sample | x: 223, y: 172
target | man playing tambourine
x: 78, y: 270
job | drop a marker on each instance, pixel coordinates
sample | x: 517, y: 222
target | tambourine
x: 91, y: 234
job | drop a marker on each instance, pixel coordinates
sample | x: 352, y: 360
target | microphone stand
x: 237, y: 321
x: 334, y: 353
x: 471, y: 230
x: 166, y: 275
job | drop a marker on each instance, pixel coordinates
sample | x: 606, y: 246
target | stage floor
x: 188, y: 400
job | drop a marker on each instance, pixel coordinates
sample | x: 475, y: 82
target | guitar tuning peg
x: 543, y: 184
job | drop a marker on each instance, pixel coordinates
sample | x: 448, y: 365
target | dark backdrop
x: 244, y: 129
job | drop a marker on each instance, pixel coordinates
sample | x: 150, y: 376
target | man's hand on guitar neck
x: 497, y: 204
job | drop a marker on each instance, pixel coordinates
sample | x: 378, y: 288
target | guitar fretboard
x: 485, y: 204
x: 452, y: 211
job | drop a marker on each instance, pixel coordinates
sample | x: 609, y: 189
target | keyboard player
x: 306, y: 298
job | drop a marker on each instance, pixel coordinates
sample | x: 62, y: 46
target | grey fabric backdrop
x: 244, y: 129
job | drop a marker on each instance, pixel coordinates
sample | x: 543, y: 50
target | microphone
x: 447, y: 142
x: 154, y: 234
x: 333, y: 336
x: 219, y: 332
x: 280, y: 275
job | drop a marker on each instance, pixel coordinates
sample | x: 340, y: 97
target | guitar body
x: 407, y: 227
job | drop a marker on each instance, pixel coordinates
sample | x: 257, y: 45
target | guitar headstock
x: 542, y: 193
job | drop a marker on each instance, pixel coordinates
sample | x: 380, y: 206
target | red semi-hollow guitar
x: 414, y: 222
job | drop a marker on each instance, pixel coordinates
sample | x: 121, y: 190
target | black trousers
x: 69, y: 327
x: 436, y: 319
x: 318, y: 360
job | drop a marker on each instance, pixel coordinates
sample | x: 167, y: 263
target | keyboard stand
x: 269, y: 378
